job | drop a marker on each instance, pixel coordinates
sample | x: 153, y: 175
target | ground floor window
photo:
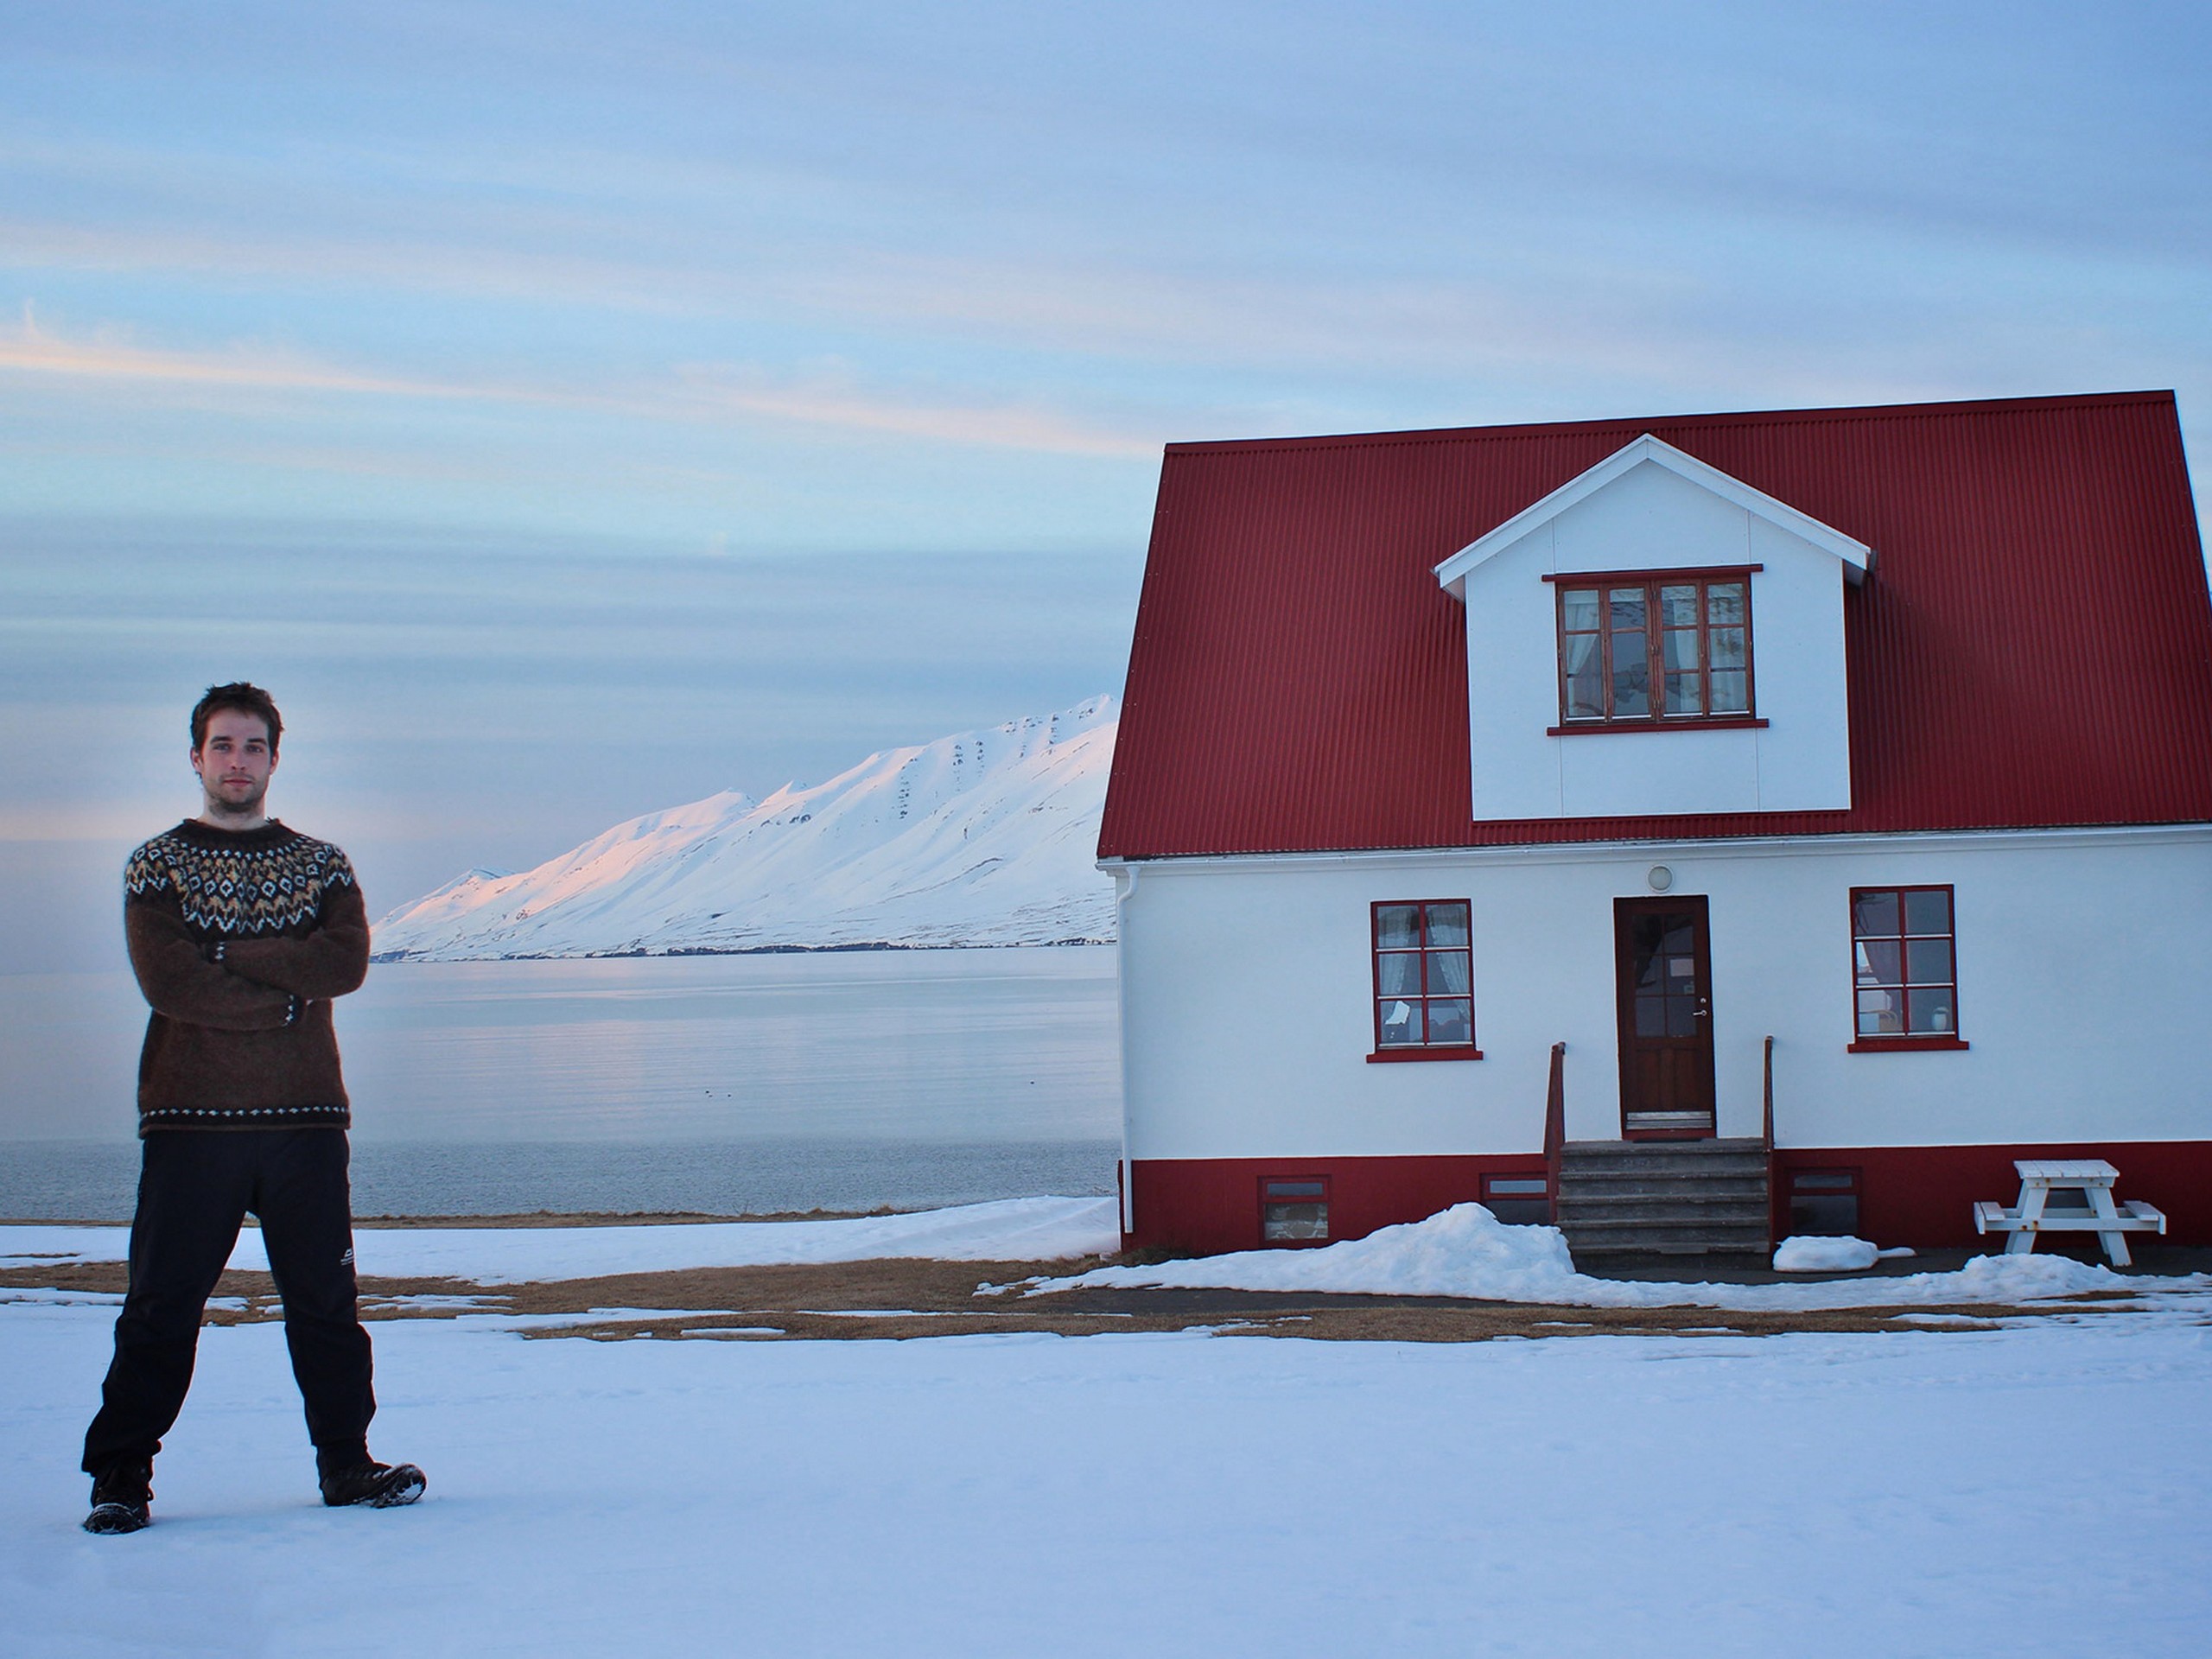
x: 1904, y: 967
x: 1424, y: 979
x: 1295, y: 1209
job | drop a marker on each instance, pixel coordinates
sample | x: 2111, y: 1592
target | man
x: 241, y: 931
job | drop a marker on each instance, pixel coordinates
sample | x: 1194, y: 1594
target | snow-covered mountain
x: 983, y: 838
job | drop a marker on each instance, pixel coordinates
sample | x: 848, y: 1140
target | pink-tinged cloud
x: 829, y: 402
x: 33, y: 350
x: 696, y: 394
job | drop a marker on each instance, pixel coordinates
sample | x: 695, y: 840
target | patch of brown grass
x: 898, y: 1300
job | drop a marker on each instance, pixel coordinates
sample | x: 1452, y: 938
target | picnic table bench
x: 2097, y: 1213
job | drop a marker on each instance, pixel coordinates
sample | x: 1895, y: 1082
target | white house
x: 1853, y: 765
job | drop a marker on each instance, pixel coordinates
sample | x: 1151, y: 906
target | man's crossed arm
x: 248, y: 984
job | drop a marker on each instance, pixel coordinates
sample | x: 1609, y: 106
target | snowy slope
x: 983, y: 838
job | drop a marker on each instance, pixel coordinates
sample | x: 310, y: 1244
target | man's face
x: 234, y: 761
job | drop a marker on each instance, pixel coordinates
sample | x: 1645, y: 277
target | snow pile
x: 1809, y: 1253
x: 986, y: 837
x: 1467, y: 1252
x: 1010, y: 1230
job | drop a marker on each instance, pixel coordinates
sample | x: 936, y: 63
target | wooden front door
x: 1664, y: 975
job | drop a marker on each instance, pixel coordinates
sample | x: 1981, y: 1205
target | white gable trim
x: 1856, y: 557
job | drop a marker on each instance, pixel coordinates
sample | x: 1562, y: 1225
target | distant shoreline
x: 736, y: 950
x: 537, y: 1218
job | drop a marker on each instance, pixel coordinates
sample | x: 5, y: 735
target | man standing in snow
x: 240, y: 931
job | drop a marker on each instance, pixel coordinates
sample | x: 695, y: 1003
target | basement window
x: 1295, y: 1209
x: 1824, y: 1203
x: 1518, y: 1200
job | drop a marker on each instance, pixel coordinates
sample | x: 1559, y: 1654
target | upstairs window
x: 1424, y: 981
x: 1666, y: 648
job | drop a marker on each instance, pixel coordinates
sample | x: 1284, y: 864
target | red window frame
x: 1653, y: 634
x: 1432, y: 990
x: 1925, y: 1000
x: 1293, y: 1192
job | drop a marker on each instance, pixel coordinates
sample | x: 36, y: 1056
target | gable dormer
x: 1657, y: 638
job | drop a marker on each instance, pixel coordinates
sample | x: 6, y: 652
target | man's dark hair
x: 243, y: 696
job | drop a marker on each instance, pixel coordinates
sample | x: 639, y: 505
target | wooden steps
x: 1669, y: 1197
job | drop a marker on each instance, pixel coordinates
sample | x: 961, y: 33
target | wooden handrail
x: 1555, y: 1124
x: 1774, y: 1227
x: 1767, y: 1134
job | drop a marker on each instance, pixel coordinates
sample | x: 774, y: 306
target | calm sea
x: 724, y: 1084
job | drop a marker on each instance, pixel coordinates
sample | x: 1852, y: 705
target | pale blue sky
x: 572, y: 409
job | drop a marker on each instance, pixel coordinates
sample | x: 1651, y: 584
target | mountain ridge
x: 983, y: 838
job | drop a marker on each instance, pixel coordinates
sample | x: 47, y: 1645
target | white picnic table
x: 2097, y: 1213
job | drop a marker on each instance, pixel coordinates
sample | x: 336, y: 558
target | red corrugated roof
x: 2034, y: 647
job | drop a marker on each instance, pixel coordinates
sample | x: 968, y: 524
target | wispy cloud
x: 32, y: 349
x: 830, y: 400
x: 694, y: 393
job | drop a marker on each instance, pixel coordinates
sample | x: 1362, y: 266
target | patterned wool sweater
x: 240, y: 939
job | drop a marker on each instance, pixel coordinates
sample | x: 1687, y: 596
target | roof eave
x: 1856, y: 557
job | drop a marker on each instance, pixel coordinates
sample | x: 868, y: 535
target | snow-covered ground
x: 981, y: 838
x: 2045, y: 1489
x: 1006, y: 1230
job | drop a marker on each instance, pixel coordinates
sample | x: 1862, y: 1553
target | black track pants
x: 195, y: 1187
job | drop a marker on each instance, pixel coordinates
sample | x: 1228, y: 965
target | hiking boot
x: 122, y: 1498
x: 379, y: 1485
